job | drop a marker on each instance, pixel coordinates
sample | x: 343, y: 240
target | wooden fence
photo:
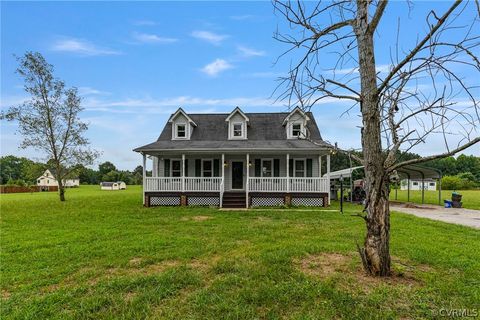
x: 19, y: 189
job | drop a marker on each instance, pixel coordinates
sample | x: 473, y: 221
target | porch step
x: 234, y: 200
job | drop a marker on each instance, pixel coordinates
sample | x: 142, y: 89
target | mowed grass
x: 470, y: 198
x: 101, y: 255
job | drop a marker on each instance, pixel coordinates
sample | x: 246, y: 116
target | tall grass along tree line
x: 396, y: 112
x: 49, y: 121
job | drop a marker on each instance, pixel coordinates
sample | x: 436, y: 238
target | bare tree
x: 420, y: 94
x: 49, y: 121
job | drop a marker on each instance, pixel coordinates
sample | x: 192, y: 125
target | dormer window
x: 296, y: 130
x: 182, y: 125
x: 181, y: 130
x: 237, y: 125
x: 238, y: 130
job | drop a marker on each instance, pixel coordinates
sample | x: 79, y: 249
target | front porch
x: 236, y: 180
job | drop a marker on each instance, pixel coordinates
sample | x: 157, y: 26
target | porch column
x: 144, y: 175
x: 319, y: 166
x: 183, y: 172
x: 328, y: 177
x: 248, y: 178
x: 288, y: 172
x: 222, y: 188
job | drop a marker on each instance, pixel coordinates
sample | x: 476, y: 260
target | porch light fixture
x: 225, y: 164
x: 249, y: 163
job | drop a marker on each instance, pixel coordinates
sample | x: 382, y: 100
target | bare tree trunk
x: 61, y: 190
x: 61, y: 187
x: 376, y: 255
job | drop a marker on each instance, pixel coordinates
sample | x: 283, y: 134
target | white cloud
x: 152, y: 38
x: 215, y: 67
x: 382, y: 68
x: 144, y: 23
x: 88, y: 91
x: 81, y: 47
x: 242, y: 17
x: 249, y: 52
x: 208, y: 36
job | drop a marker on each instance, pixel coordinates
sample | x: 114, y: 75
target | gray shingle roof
x: 265, y: 131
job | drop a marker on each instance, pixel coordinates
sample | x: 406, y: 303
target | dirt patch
x: 348, y: 273
x: 129, y: 296
x: 414, y: 206
x: 323, y: 265
x: 196, y: 218
x: 5, y: 295
x: 135, y: 261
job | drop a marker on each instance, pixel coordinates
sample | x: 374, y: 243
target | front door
x: 237, y: 175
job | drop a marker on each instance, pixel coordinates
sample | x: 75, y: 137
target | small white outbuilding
x: 119, y: 185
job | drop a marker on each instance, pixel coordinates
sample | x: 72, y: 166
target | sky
x: 135, y: 63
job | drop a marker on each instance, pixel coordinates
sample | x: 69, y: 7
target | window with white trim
x: 296, y: 130
x: 180, y: 130
x: 267, y: 167
x: 176, y: 168
x: 207, y: 168
x: 300, y: 168
x: 238, y: 130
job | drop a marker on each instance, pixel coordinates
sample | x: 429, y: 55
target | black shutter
x: 309, y: 167
x: 198, y: 167
x: 258, y: 168
x: 276, y: 167
x: 186, y: 167
x: 166, y: 168
x: 216, y: 168
x: 290, y: 167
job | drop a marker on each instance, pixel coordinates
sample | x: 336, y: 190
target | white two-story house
x: 238, y: 160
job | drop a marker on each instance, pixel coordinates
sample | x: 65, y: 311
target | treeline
x: 459, y: 173
x: 22, y: 171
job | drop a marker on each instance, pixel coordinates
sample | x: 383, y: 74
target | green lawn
x: 101, y: 255
x: 470, y: 199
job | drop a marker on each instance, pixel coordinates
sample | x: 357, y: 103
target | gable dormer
x: 237, y: 125
x: 182, y: 125
x: 296, y: 124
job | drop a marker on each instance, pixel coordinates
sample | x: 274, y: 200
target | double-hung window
x: 267, y: 167
x: 207, y: 168
x: 296, y: 129
x: 181, y: 130
x: 238, y: 130
x: 176, y: 168
x: 300, y: 168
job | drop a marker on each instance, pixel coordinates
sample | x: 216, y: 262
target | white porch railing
x: 176, y: 184
x: 309, y: 185
x: 203, y: 184
x: 284, y: 184
x: 277, y: 184
x: 163, y: 184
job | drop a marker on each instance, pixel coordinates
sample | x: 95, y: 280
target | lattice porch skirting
x: 266, y: 201
x: 164, y: 200
x: 203, y: 201
x: 309, y: 202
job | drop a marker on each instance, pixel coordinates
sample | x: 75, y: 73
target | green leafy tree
x: 49, y: 121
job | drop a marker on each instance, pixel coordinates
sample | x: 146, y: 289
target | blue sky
x: 136, y: 63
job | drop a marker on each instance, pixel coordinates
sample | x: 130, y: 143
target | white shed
x: 118, y: 185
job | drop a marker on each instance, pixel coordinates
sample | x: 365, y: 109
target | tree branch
x: 378, y: 15
x: 419, y: 46
x: 429, y: 158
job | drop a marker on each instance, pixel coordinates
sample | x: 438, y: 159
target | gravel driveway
x: 465, y: 217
